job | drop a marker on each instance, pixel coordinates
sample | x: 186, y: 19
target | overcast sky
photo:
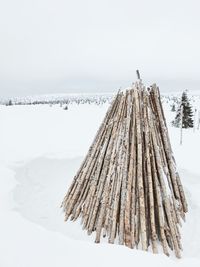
x: 52, y: 46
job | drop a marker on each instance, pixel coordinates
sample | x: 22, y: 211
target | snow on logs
x: 127, y: 187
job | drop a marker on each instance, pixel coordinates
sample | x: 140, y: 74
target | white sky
x: 51, y: 46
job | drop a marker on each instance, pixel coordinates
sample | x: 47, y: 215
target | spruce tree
x: 187, y: 113
x: 10, y: 103
x: 173, y: 108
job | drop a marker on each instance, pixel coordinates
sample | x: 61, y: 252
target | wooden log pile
x: 128, y: 188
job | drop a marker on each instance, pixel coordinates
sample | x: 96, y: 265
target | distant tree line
x: 98, y: 100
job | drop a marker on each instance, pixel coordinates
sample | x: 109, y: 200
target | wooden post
x: 198, y: 124
x: 138, y: 74
x: 181, y: 126
x: 195, y: 111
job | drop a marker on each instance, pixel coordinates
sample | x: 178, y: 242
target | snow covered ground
x: 41, y: 147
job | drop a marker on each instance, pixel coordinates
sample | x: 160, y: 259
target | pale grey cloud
x: 87, y: 45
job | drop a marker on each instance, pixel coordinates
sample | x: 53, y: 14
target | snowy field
x: 41, y: 147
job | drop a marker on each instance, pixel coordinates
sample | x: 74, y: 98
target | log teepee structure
x: 127, y: 187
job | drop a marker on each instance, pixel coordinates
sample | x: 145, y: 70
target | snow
x: 41, y: 147
x: 31, y: 131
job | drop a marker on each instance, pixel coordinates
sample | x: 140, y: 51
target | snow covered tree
x: 173, y: 108
x: 187, y: 117
x: 9, y: 103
